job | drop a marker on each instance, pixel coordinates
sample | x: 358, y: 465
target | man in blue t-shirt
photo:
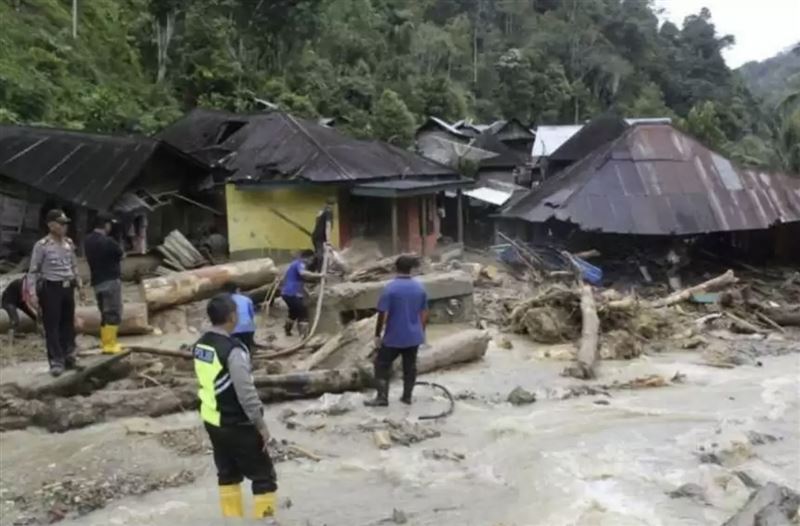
x: 293, y: 292
x: 403, y: 311
x: 245, y: 330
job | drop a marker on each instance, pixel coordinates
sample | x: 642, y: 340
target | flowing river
x: 587, y: 460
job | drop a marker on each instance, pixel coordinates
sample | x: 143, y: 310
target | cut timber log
x: 62, y: 414
x: 711, y: 285
x: 202, y: 283
x: 134, y: 320
x: 587, y: 352
x: 462, y: 347
x: 784, y: 318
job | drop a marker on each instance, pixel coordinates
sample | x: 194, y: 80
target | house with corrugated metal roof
x: 650, y: 179
x: 280, y: 171
x: 85, y: 173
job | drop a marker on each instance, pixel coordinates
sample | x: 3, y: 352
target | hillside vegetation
x: 378, y: 66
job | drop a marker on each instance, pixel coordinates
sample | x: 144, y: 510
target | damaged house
x: 280, y: 170
x: 499, y: 156
x: 85, y: 173
x: 650, y: 182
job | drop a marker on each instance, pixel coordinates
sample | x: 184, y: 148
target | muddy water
x: 557, y: 462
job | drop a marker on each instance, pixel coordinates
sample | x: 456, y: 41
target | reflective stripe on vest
x: 207, y: 367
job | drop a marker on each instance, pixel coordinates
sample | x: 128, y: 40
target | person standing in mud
x: 293, y: 293
x: 403, y: 311
x: 321, y: 235
x: 54, y: 269
x: 104, y: 256
x: 233, y: 414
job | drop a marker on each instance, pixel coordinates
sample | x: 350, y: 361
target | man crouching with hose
x: 233, y: 414
x: 403, y: 311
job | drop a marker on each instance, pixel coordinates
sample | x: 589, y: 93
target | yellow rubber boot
x: 264, y: 505
x: 230, y: 500
x: 108, y: 339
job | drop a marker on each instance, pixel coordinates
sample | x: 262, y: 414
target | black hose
x: 451, y: 402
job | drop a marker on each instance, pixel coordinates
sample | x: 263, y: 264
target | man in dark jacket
x: 104, y: 256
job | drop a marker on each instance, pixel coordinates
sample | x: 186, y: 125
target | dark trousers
x: 109, y: 301
x: 247, y: 338
x: 239, y: 454
x: 319, y: 255
x: 386, y: 357
x: 58, y: 317
x: 297, y: 308
x: 13, y: 315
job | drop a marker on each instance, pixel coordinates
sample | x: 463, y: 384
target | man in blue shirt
x: 403, y: 311
x: 245, y: 329
x: 293, y: 292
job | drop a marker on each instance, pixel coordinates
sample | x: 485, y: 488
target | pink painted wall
x: 410, y: 231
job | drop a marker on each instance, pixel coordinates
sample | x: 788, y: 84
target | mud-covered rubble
x: 85, y: 492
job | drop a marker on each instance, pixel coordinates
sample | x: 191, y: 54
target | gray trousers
x: 109, y: 301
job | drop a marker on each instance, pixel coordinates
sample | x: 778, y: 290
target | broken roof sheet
x: 657, y: 180
x: 276, y: 146
x: 597, y: 132
x: 86, y: 169
x: 550, y: 138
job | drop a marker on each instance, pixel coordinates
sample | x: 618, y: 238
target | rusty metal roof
x: 654, y: 179
x: 86, y: 169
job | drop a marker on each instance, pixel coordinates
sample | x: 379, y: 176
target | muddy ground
x: 608, y: 452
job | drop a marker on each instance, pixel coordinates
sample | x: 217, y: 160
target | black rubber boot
x: 381, y: 395
x: 287, y: 327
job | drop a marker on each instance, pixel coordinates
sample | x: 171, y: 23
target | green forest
x: 381, y: 66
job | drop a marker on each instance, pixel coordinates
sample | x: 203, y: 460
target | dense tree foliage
x: 377, y: 66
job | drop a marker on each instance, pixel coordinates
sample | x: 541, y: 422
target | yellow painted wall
x: 253, y: 226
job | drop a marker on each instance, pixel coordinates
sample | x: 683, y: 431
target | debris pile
x: 178, y: 254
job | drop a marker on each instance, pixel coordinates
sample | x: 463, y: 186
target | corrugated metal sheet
x: 550, y: 138
x: 277, y: 146
x: 82, y: 168
x: 490, y: 195
x: 656, y: 180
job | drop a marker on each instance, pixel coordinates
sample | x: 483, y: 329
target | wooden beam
x: 395, y: 240
x: 424, y: 204
x: 460, y: 215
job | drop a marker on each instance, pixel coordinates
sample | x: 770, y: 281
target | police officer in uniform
x: 54, y: 270
x: 233, y: 414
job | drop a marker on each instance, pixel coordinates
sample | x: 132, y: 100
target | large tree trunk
x: 682, y: 295
x: 587, y: 352
x: 202, y: 283
x: 134, y: 320
x: 785, y: 318
x: 61, y: 414
x: 462, y: 347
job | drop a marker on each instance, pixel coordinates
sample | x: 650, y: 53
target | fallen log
x: 193, y: 285
x: 62, y: 414
x: 784, y: 318
x: 683, y: 295
x: 590, y: 326
x: 87, y: 320
x: 462, y: 347
x: 742, y: 325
